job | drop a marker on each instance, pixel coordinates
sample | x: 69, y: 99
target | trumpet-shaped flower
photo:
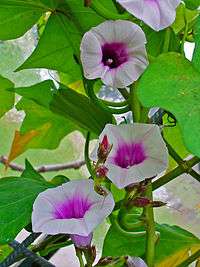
x: 73, y: 208
x: 115, y: 52
x: 138, y: 152
x: 158, y: 14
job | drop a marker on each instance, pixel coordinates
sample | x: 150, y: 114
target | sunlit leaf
x: 80, y: 109
x: 172, y: 83
x: 41, y: 128
x: 6, y: 98
x: 18, y: 16
x: 16, y: 200
x: 20, y: 142
x: 174, y: 244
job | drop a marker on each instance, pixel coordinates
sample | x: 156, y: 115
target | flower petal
x: 158, y: 14
x: 45, y: 205
x: 115, y: 52
x: 131, y: 166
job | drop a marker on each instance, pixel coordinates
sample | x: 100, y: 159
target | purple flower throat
x: 73, y: 208
x: 128, y: 155
x: 114, y: 54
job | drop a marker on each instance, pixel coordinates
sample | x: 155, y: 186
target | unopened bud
x: 104, y: 149
x: 140, y: 202
x: 101, y: 171
x: 157, y: 204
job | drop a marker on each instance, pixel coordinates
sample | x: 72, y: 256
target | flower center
x: 114, y: 54
x: 128, y: 155
x: 74, y: 207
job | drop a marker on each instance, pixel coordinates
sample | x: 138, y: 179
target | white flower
x: 158, y: 14
x: 115, y: 52
x: 138, y: 152
x: 73, y: 208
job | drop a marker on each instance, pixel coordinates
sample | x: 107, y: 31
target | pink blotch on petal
x: 74, y: 207
x: 128, y: 155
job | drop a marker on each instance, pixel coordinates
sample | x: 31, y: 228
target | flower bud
x: 140, y: 202
x: 104, y: 149
x: 101, y: 171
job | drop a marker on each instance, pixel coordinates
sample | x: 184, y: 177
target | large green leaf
x: 80, y: 109
x: 173, y: 136
x: 6, y: 97
x: 156, y: 41
x: 55, y: 51
x: 17, y: 195
x: 172, y: 241
x: 44, y: 128
x: 62, y: 53
x: 172, y: 83
x: 18, y: 16
x: 196, y: 55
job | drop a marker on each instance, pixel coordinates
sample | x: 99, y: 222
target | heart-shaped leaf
x: 172, y: 83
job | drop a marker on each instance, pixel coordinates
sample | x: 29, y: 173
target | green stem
x: 189, y: 260
x: 46, y: 242
x: 185, y: 32
x: 100, y: 103
x: 167, y: 40
x: 80, y: 258
x: 173, y: 153
x: 185, y: 167
x: 150, y: 230
x: 115, y: 104
x: 86, y: 155
x: 135, y: 104
x: 54, y: 247
x: 107, y: 14
x: 124, y: 93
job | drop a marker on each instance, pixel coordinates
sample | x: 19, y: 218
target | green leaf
x: 6, y: 98
x: 182, y: 14
x: 173, y: 136
x: 31, y: 173
x: 16, y: 200
x: 192, y: 4
x: 172, y: 83
x: 196, y: 55
x: 5, y: 250
x: 156, y: 40
x: 18, y: 16
x: 80, y: 109
x: 59, y: 179
x: 45, y: 128
x: 56, y: 53
x: 172, y: 241
x: 69, y: 23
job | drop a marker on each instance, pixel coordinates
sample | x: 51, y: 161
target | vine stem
x: 86, y: 155
x: 185, y: 167
x: 80, y: 258
x: 185, y: 33
x: 135, y: 104
x: 150, y: 229
x: 91, y: 94
x: 167, y: 40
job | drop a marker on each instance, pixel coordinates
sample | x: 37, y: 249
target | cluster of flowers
x: 115, y: 52
x: 132, y: 152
